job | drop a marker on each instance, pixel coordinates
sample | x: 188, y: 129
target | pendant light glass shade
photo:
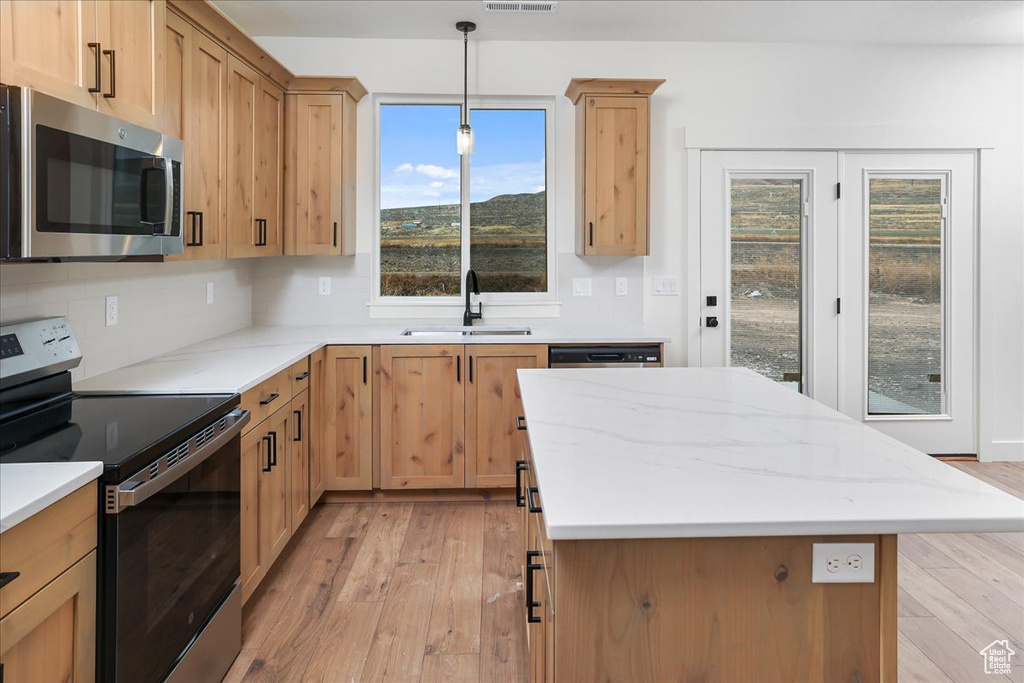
x: 465, y: 139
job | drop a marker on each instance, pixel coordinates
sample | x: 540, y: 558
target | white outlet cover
x: 110, y: 311
x: 621, y: 286
x: 209, y: 293
x: 843, y: 563
x: 323, y: 286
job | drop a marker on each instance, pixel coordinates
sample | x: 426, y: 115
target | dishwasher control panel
x: 605, y: 355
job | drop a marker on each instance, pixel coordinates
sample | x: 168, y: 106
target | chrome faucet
x: 469, y: 316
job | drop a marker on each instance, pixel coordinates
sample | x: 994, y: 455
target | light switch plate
x: 582, y: 286
x: 843, y: 563
x: 209, y: 293
x: 323, y: 286
x: 666, y: 286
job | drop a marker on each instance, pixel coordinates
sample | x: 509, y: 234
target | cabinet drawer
x: 299, y: 375
x: 46, y: 544
x: 266, y: 397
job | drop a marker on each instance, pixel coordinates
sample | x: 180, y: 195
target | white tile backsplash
x: 162, y: 306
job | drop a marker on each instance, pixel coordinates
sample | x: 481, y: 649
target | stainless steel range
x: 168, y: 598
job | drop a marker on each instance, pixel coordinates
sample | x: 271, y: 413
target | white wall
x: 740, y: 85
x: 161, y: 306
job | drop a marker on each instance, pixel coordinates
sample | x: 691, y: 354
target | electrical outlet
x: 666, y: 286
x: 843, y: 563
x: 323, y: 287
x: 111, y: 312
x: 621, y: 286
x: 581, y: 286
x: 209, y: 293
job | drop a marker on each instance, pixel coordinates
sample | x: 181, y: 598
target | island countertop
x: 725, y: 452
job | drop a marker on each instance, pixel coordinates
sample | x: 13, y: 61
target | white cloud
x: 539, y: 188
x: 403, y: 168
x: 437, y: 183
x: 432, y: 171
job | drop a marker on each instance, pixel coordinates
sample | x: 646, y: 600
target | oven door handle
x: 144, y: 484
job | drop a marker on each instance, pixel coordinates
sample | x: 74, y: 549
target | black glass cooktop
x: 126, y: 433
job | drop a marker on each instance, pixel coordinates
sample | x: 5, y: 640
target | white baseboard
x: 1002, y: 451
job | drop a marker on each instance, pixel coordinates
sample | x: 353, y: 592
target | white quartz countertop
x: 705, y: 452
x: 238, y: 361
x: 27, y: 488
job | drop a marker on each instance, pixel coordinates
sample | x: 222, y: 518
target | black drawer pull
x: 302, y: 376
x: 521, y: 466
x: 298, y: 430
x: 269, y: 465
x: 273, y: 397
x: 364, y: 369
x: 530, y: 602
x: 7, y: 577
x: 458, y: 369
x: 521, y: 423
x: 335, y: 233
x: 529, y: 499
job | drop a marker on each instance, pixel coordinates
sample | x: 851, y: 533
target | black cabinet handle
x: 7, y: 577
x: 521, y: 466
x: 530, y: 602
x: 471, y: 369
x: 96, y: 47
x: 261, y: 232
x: 335, y: 233
x: 273, y: 440
x: 591, y: 234
x: 529, y: 499
x: 201, y: 226
x: 521, y: 423
x: 303, y: 376
x: 364, y: 369
x: 273, y: 397
x: 458, y: 369
x: 113, y: 74
x: 194, y: 215
x: 298, y: 430
x: 269, y: 465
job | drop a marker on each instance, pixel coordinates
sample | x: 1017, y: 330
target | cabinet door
x: 206, y: 150
x: 255, y: 458
x: 348, y: 419
x: 493, y: 401
x: 318, y: 151
x: 422, y: 414
x: 275, y: 482
x: 316, y: 426
x: 616, y: 176
x: 133, y: 69
x: 270, y: 167
x: 52, y: 635
x: 243, y: 99
x: 298, y: 448
x: 45, y: 44
x: 179, y: 41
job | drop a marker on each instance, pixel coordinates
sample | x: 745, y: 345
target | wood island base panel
x: 717, y: 609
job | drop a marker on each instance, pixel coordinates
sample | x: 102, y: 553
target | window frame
x: 515, y: 304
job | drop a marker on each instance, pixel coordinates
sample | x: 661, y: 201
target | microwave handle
x: 148, y: 165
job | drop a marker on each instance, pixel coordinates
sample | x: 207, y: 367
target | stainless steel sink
x: 453, y: 331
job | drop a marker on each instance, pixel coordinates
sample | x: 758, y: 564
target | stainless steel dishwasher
x: 605, y: 356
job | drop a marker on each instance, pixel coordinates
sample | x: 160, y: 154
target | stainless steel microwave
x: 77, y: 184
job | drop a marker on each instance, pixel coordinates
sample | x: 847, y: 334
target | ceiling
x: 924, y: 22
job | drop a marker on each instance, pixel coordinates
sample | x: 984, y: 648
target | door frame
x: 979, y: 140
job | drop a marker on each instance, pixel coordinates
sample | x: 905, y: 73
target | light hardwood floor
x: 430, y: 592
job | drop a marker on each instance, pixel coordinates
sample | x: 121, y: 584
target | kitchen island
x: 670, y: 518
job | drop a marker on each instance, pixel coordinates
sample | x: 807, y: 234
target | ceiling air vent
x: 492, y: 6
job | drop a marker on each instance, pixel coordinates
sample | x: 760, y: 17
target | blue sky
x: 420, y: 167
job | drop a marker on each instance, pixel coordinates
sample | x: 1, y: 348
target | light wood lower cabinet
x: 317, y: 425
x: 348, y: 418
x: 422, y: 416
x: 492, y: 405
x: 48, y: 611
x: 298, y: 448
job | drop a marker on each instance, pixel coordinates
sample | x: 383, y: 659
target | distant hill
x: 515, y: 210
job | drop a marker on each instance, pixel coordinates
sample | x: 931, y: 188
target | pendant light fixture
x: 465, y: 135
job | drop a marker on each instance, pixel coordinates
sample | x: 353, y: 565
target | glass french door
x: 768, y: 249
x: 859, y: 294
x: 907, y: 255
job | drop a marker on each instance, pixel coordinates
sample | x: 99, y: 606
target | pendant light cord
x: 465, y: 77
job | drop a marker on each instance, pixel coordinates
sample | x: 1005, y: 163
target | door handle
x: 194, y: 215
x: 521, y: 466
x: 364, y: 369
x: 269, y: 466
x: 530, y: 568
x: 591, y: 234
x: 273, y: 447
x: 711, y: 321
x: 96, y: 47
x: 471, y: 369
x: 298, y: 430
x: 201, y: 226
x: 335, y: 233
x: 458, y: 369
x: 113, y: 74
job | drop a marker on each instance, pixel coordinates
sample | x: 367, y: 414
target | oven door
x: 98, y: 186
x: 171, y: 554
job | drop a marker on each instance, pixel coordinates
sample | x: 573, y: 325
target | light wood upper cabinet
x: 298, y: 457
x: 348, y: 419
x: 243, y: 99
x: 270, y: 167
x: 195, y: 110
x: 45, y: 44
x: 612, y: 165
x: 422, y: 416
x: 132, y: 37
x: 492, y: 404
x: 320, y: 187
